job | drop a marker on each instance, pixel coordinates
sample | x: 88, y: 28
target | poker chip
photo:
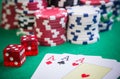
x: 106, y: 17
x: 49, y: 23
x: 52, y: 43
x: 116, y: 10
x: 9, y: 16
x: 83, y: 24
x: 105, y: 26
x: 63, y: 3
x: 29, y: 7
x: 94, y: 2
x: 50, y: 26
x: 107, y: 10
x: 84, y: 42
x: 25, y: 10
x: 26, y: 22
x: 51, y: 13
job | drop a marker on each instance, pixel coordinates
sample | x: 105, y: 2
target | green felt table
x: 108, y: 47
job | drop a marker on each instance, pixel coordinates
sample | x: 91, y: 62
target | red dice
x: 30, y: 43
x: 14, y: 55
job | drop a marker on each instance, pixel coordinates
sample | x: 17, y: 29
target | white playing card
x: 79, y: 59
x: 113, y: 64
x: 46, y: 67
x: 56, y: 66
x: 72, y: 62
x: 115, y: 72
x: 61, y: 66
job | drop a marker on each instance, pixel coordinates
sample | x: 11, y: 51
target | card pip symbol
x: 48, y: 62
x: 61, y: 62
x: 75, y: 64
x: 84, y: 75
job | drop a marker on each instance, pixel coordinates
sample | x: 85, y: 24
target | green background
x: 108, y: 47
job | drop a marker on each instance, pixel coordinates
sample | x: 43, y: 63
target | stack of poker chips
x: 25, y: 10
x: 83, y: 24
x: 106, y: 17
x: 106, y: 12
x: 63, y: 3
x: 116, y: 10
x: 9, y: 16
x: 50, y: 26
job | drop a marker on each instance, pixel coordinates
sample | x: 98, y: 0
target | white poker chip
x: 83, y: 24
x: 84, y: 42
x: 83, y: 11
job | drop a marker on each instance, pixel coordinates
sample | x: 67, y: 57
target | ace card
x: 88, y: 71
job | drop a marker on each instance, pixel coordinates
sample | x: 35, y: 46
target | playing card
x: 56, y: 66
x: 69, y: 61
x: 88, y: 71
x: 80, y: 59
x: 114, y: 65
x: 52, y: 66
x: 46, y: 67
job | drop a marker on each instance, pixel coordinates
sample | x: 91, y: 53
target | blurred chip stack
x: 50, y: 26
x: 106, y: 12
x: 116, y: 10
x: 63, y: 3
x: 25, y: 10
x: 83, y: 24
x: 9, y: 16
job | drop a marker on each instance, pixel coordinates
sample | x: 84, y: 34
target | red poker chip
x: 58, y: 19
x: 53, y: 39
x: 44, y: 2
x: 36, y: 6
x: 46, y: 29
x: 51, y: 13
x: 9, y: 19
x: 45, y: 24
x: 27, y: 8
x: 55, y: 20
x: 32, y: 4
x: 61, y: 30
x: 19, y: 6
x: 52, y: 36
x: 55, y: 43
x: 94, y: 2
x: 8, y: 6
x: 21, y: 12
x: 49, y: 34
x: 32, y: 7
x: 50, y: 26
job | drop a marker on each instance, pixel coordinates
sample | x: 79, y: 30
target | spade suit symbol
x: 61, y: 62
